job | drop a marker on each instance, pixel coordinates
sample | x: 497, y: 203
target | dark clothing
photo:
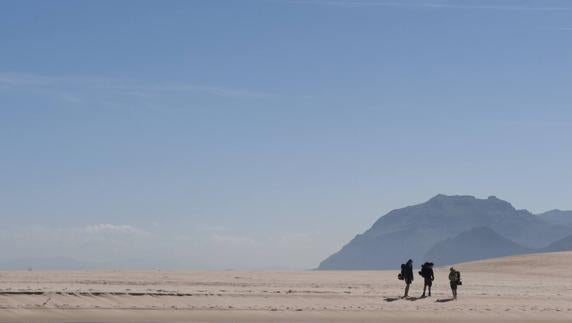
x: 454, y: 285
x: 428, y: 282
x: 408, y: 273
x: 428, y: 275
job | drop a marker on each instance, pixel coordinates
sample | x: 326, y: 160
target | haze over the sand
x: 531, y: 288
x: 445, y: 229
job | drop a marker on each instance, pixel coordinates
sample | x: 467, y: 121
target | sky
x: 264, y: 134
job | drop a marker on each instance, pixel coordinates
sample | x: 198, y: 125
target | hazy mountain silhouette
x: 564, y: 244
x: 412, y: 231
x: 557, y: 217
x: 475, y: 244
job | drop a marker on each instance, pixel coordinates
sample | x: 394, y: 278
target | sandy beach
x: 531, y: 288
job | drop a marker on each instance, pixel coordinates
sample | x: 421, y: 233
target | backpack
x: 402, y: 273
x: 456, y: 278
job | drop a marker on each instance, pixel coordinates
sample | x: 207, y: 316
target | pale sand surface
x: 532, y: 288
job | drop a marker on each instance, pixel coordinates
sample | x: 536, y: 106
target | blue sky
x: 263, y: 134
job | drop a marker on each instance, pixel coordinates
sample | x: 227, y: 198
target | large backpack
x: 402, y: 273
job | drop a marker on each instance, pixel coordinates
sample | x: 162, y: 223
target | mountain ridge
x: 557, y: 216
x: 411, y: 231
x: 476, y: 244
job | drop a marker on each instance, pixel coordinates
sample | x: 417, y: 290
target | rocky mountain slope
x: 411, y: 232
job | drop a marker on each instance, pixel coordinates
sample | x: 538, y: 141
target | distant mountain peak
x: 443, y: 197
x: 410, y: 232
x: 474, y: 244
x: 438, y: 197
x: 557, y: 211
x: 491, y: 201
x: 557, y: 217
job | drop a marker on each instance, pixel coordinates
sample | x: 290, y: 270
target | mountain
x: 557, y: 217
x: 475, y: 244
x: 564, y: 244
x: 412, y: 231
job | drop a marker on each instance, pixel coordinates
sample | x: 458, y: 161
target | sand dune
x: 530, y: 288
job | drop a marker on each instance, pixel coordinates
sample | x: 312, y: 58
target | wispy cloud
x: 214, y: 228
x: 223, y: 235
x: 230, y: 239
x: 299, y: 238
x: 113, y: 229
x: 76, y: 236
x: 70, y: 87
x: 189, y: 246
x: 462, y: 5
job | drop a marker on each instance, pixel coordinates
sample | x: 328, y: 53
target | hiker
x: 455, y: 279
x: 428, y: 276
x: 407, y: 274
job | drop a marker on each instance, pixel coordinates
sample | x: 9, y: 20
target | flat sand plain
x: 530, y: 288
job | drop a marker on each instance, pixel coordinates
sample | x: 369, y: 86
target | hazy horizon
x: 268, y: 133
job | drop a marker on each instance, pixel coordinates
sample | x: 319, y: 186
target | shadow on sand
x: 444, y: 300
x: 393, y: 299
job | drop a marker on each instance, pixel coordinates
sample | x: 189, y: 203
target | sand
x: 530, y: 288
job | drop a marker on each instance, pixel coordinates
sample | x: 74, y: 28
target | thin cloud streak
x: 426, y: 5
x: 124, y: 229
x: 124, y: 86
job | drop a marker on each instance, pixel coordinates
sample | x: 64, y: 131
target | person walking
x: 428, y: 277
x: 407, y: 274
x: 455, y: 280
